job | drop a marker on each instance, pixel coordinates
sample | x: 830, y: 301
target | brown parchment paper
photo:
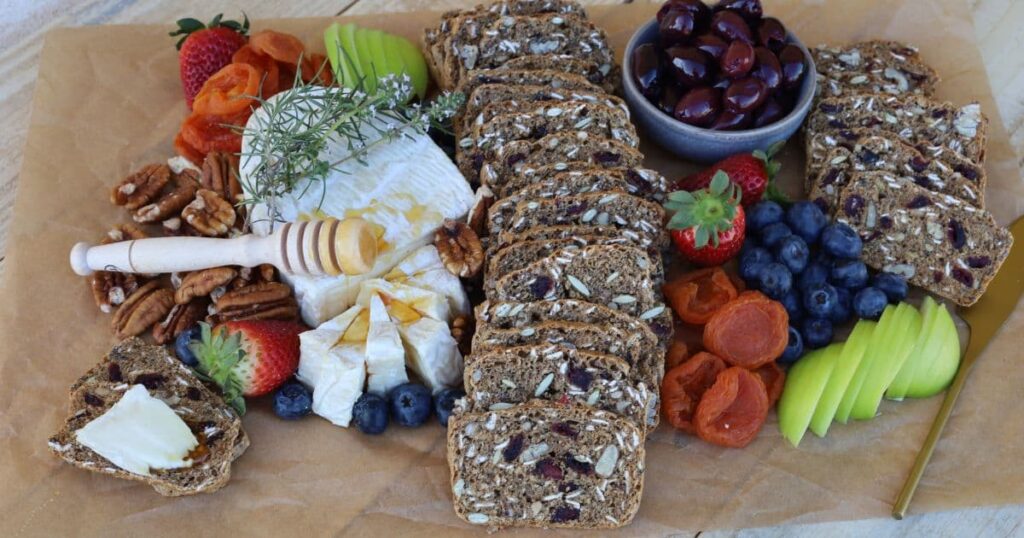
x: 108, y: 99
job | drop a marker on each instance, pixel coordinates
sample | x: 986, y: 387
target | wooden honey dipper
x: 320, y: 247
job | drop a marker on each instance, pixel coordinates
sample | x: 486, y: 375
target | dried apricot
x: 677, y: 353
x: 696, y: 295
x: 748, y: 331
x: 732, y: 411
x: 316, y: 69
x: 683, y: 386
x: 774, y: 380
x: 225, y: 92
x: 278, y: 45
x: 270, y: 82
x: 206, y: 133
x: 188, y: 151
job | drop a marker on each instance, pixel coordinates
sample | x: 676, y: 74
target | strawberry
x: 709, y: 224
x: 205, y: 48
x: 754, y: 173
x: 247, y: 358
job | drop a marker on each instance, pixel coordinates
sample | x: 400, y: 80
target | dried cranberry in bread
x: 554, y: 465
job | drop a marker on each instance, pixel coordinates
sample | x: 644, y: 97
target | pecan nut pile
x: 169, y: 205
x: 460, y: 249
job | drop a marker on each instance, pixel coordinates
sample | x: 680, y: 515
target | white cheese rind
x: 385, y: 356
x: 424, y: 269
x: 335, y: 370
x: 140, y: 433
x: 432, y: 353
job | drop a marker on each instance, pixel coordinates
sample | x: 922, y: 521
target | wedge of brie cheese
x: 140, y: 433
x: 406, y: 188
x: 404, y: 302
x: 385, y: 356
x: 432, y: 353
x: 332, y: 360
x: 424, y: 269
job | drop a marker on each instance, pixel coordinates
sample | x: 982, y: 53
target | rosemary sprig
x: 290, y: 135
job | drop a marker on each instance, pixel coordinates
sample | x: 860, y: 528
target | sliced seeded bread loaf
x: 543, y: 464
x: 554, y: 149
x: 959, y: 178
x: 608, y: 79
x: 879, y: 67
x: 614, y: 209
x: 482, y: 104
x: 518, y: 255
x: 937, y: 242
x: 132, y: 362
x: 496, y: 379
x: 554, y: 233
x: 585, y: 274
x: 917, y: 120
x: 548, y: 117
x: 642, y: 181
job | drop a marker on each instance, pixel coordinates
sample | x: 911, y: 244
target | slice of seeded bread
x: 547, y: 117
x: 614, y: 209
x: 506, y: 75
x: 937, y: 242
x: 552, y: 465
x: 919, y: 121
x: 555, y: 149
x: 585, y: 274
x: 482, y: 104
x: 215, y: 424
x: 555, y: 233
x: 496, y: 379
x: 879, y: 67
x: 954, y: 175
x: 642, y: 181
x: 521, y: 254
x: 609, y: 80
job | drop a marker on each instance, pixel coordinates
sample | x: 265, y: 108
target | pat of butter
x: 140, y: 433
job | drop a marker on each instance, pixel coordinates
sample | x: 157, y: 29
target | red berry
x: 708, y: 226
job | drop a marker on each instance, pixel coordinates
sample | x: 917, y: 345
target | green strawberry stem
x: 708, y: 212
x: 771, y: 168
x: 189, y: 26
x: 218, y: 356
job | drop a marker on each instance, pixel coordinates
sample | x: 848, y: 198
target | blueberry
x: 749, y: 243
x: 793, y: 253
x: 752, y: 261
x: 370, y: 413
x: 821, y: 257
x: 841, y: 311
x: 806, y: 220
x: 816, y: 332
x: 775, y: 280
x: 894, y: 286
x: 794, y: 347
x: 819, y: 300
x: 181, y: 346
x: 444, y: 401
x: 815, y: 273
x: 762, y: 214
x: 849, y: 274
x: 773, y: 234
x: 841, y: 241
x: 793, y: 304
x: 293, y: 401
x: 869, y: 303
x: 410, y: 404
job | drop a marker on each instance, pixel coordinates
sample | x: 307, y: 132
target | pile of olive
x: 725, y: 67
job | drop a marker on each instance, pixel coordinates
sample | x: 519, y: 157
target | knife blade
x: 985, y: 318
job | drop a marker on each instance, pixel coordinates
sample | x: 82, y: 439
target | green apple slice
x: 921, y: 354
x: 805, y: 383
x: 875, y: 348
x: 365, y: 64
x: 935, y: 374
x: 415, y: 65
x: 901, y: 337
x: 339, y: 52
x: 347, y: 34
x: 332, y: 44
x: 846, y: 365
x: 380, y: 65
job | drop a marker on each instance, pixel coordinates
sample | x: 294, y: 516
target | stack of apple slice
x: 907, y: 353
x: 361, y: 55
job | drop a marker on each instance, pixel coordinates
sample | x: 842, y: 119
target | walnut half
x: 460, y: 248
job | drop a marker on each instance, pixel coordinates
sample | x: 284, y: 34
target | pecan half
x: 171, y: 203
x: 266, y: 300
x: 220, y: 175
x: 181, y: 317
x: 202, y: 283
x: 210, y: 214
x: 110, y: 289
x: 124, y: 232
x: 460, y: 248
x: 148, y: 305
x: 478, y: 213
x: 462, y: 332
x: 248, y: 276
x: 141, y: 186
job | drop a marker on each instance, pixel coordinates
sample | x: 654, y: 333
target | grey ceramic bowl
x: 706, y: 145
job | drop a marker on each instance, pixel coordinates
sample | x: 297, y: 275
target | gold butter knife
x: 985, y: 319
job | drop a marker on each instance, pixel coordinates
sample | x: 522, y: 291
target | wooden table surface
x: 23, y: 23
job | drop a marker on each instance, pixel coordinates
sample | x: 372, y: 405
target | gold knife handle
x: 899, y: 509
